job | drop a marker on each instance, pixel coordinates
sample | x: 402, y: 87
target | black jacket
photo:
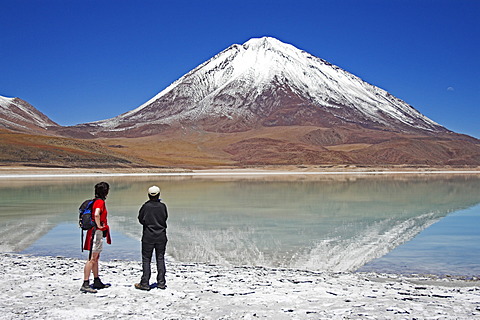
x: 153, y: 216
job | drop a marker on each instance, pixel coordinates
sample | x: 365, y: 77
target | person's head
x: 101, y: 190
x: 154, y: 193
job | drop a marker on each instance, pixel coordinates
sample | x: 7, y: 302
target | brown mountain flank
x: 291, y: 146
x: 39, y: 150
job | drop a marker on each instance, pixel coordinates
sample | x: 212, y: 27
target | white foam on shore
x: 48, y: 288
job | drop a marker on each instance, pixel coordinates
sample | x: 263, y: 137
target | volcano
x: 267, y: 83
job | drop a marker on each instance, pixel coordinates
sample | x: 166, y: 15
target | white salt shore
x: 48, y: 288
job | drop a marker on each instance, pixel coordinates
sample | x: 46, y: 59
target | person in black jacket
x: 153, y: 216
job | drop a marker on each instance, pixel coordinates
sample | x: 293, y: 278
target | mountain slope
x: 265, y: 82
x: 19, y: 115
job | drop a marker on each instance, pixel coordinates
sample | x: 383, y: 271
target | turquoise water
x: 426, y: 224
x: 449, y: 247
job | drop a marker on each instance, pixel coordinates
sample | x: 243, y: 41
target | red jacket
x: 99, y: 203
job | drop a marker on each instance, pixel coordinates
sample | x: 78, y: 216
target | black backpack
x: 86, y: 220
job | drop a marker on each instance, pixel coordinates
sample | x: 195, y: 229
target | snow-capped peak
x: 234, y: 84
x: 265, y: 42
x: 4, y: 101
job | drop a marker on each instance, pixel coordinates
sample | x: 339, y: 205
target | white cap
x: 153, y: 190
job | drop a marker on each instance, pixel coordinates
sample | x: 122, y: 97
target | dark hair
x: 155, y: 197
x: 101, y: 190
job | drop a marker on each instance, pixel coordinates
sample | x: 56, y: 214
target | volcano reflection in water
x: 320, y: 223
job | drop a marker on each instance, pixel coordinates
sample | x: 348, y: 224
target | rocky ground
x: 48, y: 288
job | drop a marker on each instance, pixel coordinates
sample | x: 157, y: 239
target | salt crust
x: 48, y: 288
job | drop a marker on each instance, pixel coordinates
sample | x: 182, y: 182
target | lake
x: 385, y: 223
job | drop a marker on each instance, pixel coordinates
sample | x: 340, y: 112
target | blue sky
x: 86, y: 60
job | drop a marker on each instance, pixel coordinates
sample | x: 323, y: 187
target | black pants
x: 147, y: 252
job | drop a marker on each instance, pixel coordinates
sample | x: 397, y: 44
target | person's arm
x: 97, y: 218
x: 141, y: 214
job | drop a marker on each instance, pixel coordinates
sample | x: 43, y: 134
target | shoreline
x: 44, y: 172
x: 48, y: 287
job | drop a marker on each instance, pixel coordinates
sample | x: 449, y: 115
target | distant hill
x: 28, y: 137
x: 19, y: 115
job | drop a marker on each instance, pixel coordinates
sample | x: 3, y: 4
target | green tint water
x: 317, y: 223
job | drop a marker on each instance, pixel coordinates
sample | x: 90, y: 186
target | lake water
x: 402, y: 224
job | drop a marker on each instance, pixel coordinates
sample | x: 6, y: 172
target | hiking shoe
x: 142, y: 287
x: 98, y: 284
x: 87, y: 289
x: 162, y: 286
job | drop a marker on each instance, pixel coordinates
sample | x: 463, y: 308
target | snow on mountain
x: 16, y: 114
x: 267, y: 82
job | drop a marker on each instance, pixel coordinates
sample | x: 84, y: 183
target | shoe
x: 98, y: 284
x: 162, y: 286
x: 142, y: 287
x: 87, y: 289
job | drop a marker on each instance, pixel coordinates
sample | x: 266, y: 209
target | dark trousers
x: 147, y: 252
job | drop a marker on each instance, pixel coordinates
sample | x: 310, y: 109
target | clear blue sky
x: 86, y: 60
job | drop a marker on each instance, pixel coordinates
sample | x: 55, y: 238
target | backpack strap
x: 94, y: 230
x: 93, y: 211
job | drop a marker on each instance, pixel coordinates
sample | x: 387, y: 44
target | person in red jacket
x: 94, y: 239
